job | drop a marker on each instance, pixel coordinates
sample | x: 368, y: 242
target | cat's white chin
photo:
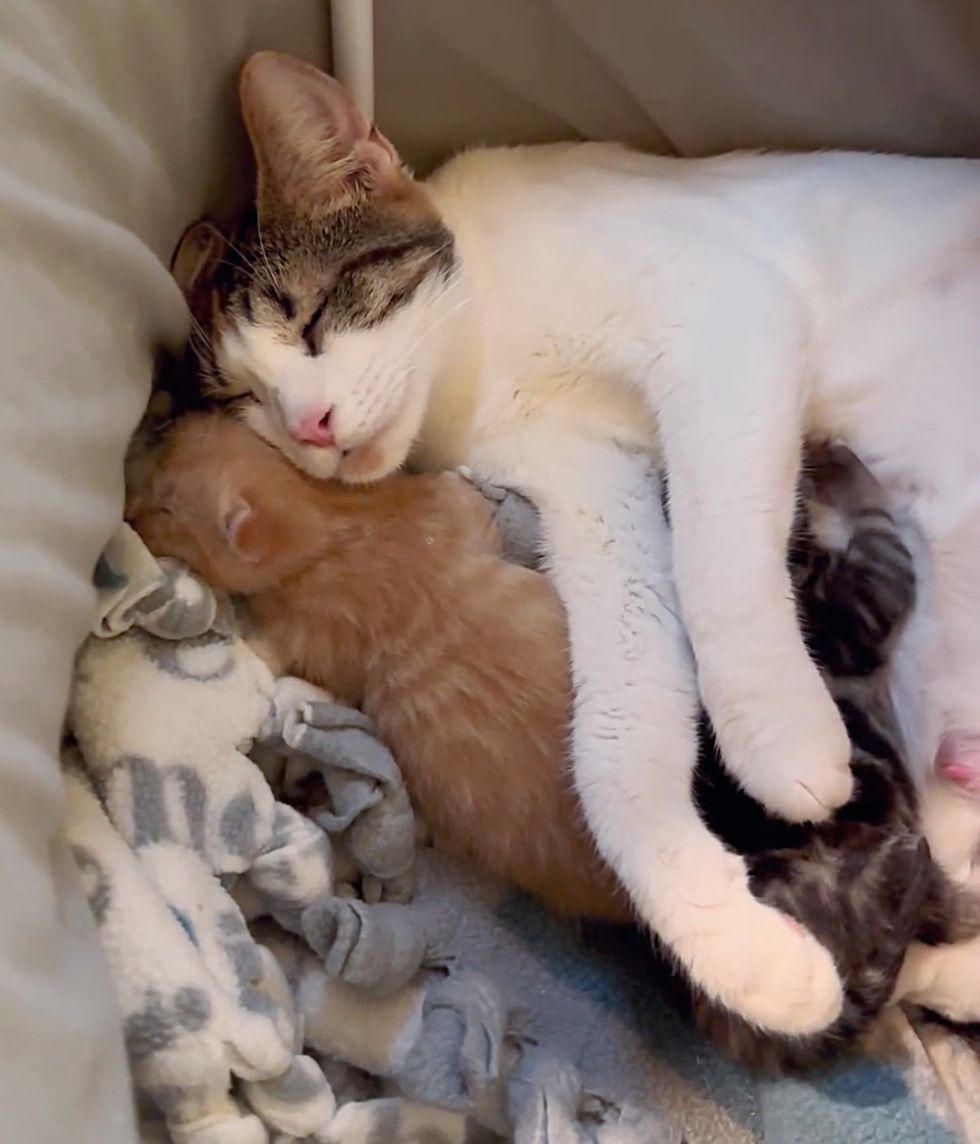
x: 382, y: 454
x: 317, y: 461
x: 371, y: 459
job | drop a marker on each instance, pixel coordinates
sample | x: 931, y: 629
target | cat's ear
x: 311, y: 141
x: 200, y: 249
x: 245, y: 533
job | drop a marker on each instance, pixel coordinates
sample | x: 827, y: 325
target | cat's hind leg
x: 634, y: 742
x: 944, y: 978
x: 951, y: 823
x: 951, y: 787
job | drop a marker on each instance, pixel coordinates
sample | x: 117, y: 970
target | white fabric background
x: 694, y: 76
x: 116, y: 124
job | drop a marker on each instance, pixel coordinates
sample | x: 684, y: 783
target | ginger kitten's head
x: 228, y: 505
x: 319, y: 311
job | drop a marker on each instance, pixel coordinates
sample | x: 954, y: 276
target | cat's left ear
x: 200, y: 249
x: 311, y: 141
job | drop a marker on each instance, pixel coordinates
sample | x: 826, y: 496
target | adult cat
x: 559, y: 318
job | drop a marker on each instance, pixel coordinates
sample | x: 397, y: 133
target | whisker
x: 275, y: 277
x: 434, y: 326
x: 247, y: 260
x: 200, y: 337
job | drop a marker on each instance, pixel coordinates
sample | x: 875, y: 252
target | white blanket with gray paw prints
x: 275, y: 980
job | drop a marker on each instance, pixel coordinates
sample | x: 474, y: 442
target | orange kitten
x: 395, y: 597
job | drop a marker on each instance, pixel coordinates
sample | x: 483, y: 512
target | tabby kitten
x: 395, y: 597
x: 864, y: 883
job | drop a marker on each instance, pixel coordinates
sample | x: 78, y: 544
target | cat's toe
x: 813, y: 799
x: 804, y: 777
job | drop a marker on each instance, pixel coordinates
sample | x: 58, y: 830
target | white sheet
x: 116, y: 122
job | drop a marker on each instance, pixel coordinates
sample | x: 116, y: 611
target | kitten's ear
x: 246, y: 534
x: 311, y: 141
x: 200, y: 249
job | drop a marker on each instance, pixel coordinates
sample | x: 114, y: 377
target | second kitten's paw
x: 799, y: 767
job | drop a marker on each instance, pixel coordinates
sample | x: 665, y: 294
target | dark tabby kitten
x: 864, y: 883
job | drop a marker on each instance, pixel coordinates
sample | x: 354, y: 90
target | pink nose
x: 314, y: 429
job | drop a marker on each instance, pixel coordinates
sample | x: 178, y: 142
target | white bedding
x: 115, y: 121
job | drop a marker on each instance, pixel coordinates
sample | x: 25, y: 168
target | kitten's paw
x: 493, y: 492
x: 800, y: 767
x: 767, y: 968
x: 289, y: 700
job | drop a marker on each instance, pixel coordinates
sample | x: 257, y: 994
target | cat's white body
x: 625, y: 300
x: 840, y: 293
x: 614, y: 313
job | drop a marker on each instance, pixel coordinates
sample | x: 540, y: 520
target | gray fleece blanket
x: 311, y: 977
x: 600, y: 996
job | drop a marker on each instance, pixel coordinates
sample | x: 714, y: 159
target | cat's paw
x: 799, y: 767
x: 767, y: 968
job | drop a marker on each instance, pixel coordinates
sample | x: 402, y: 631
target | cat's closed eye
x: 311, y: 329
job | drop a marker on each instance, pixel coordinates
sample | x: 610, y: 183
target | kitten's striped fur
x: 863, y: 883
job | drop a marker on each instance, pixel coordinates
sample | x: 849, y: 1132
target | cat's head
x: 319, y: 311
x: 227, y: 505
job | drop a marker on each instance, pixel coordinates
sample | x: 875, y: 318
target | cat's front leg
x: 732, y: 421
x: 634, y: 743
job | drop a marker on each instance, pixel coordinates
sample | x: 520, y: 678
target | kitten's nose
x: 314, y: 428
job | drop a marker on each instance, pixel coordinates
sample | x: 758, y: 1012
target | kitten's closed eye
x: 234, y: 528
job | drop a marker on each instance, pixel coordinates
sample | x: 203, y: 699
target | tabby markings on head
x: 339, y: 242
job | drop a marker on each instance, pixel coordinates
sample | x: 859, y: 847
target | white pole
x: 352, y: 31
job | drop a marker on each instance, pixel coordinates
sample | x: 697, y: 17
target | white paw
x: 492, y: 492
x: 798, y: 764
x: 764, y: 966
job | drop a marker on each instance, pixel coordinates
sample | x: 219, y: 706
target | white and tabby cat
x: 564, y: 318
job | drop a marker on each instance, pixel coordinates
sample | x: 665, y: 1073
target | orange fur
x: 396, y: 599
